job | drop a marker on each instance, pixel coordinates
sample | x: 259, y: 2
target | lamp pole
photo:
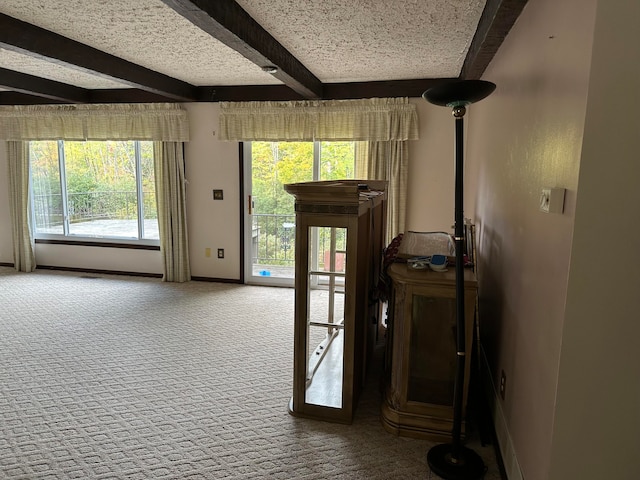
x: 458, y: 113
x: 453, y: 461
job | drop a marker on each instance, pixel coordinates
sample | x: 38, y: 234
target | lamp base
x: 469, y: 465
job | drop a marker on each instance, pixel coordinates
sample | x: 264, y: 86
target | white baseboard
x: 511, y: 465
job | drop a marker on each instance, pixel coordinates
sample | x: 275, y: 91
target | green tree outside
x: 275, y: 164
x: 100, y: 181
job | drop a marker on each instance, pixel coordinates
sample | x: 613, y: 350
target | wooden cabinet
x: 340, y: 228
x: 420, y: 360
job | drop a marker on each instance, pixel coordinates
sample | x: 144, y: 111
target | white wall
x: 526, y: 136
x: 430, y: 199
x: 596, y: 432
x: 212, y: 164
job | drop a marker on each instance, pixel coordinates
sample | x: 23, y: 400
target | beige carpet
x: 108, y: 377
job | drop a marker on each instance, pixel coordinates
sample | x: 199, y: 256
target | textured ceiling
x: 366, y: 40
x: 146, y: 32
x: 80, y: 51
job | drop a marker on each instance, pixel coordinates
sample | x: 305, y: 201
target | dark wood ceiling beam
x: 42, y: 87
x: 227, y: 22
x: 331, y: 91
x: 125, y: 95
x: 27, y: 39
x: 16, y: 98
x: 274, y: 93
x: 387, y: 88
x: 495, y: 23
x: 248, y: 93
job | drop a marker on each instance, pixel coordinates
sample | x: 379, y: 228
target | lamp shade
x: 455, y: 94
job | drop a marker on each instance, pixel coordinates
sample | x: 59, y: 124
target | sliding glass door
x: 269, y: 210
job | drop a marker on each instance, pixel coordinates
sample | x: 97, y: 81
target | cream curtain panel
x: 172, y: 210
x: 165, y: 121
x: 387, y: 161
x: 374, y: 119
x: 23, y: 252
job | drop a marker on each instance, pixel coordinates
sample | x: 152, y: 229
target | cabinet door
x: 431, y: 359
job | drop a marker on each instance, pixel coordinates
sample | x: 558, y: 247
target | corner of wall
x: 505, y: 444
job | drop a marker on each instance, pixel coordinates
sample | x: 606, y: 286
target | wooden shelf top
x: 402, y: 273
x: 343, y: 192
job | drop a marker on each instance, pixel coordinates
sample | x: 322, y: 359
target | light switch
x: 552, y: 200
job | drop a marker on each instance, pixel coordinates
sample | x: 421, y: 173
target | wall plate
x: 552, y: 200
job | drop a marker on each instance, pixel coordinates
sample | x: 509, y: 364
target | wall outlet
x: 503, y: 384
x: 221, y: 253
x: 207, y: 252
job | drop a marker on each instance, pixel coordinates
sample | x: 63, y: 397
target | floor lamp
x: 452, y: 461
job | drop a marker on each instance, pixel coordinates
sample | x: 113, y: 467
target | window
x: 274, y: 164
x: 270, y: 248
x: 93, y: 190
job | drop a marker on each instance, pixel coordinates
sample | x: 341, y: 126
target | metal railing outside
x: 88, y: 206
x: 273, y: 239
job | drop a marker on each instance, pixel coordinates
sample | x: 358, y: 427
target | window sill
x: 102, y: 242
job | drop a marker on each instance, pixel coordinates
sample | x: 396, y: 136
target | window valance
x: 162, y: 122
x: 375, y: 119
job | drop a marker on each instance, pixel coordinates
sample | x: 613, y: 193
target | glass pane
x: 332, y: 252
x: 337, y: 160
x: 274, y: 164
x: 325, y: 346
x: 101, y: 189
x: 325, y: 334
x: 330, y: 240
x: 45, y: 184
x: 432, y: 351
x: 149, y: 191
